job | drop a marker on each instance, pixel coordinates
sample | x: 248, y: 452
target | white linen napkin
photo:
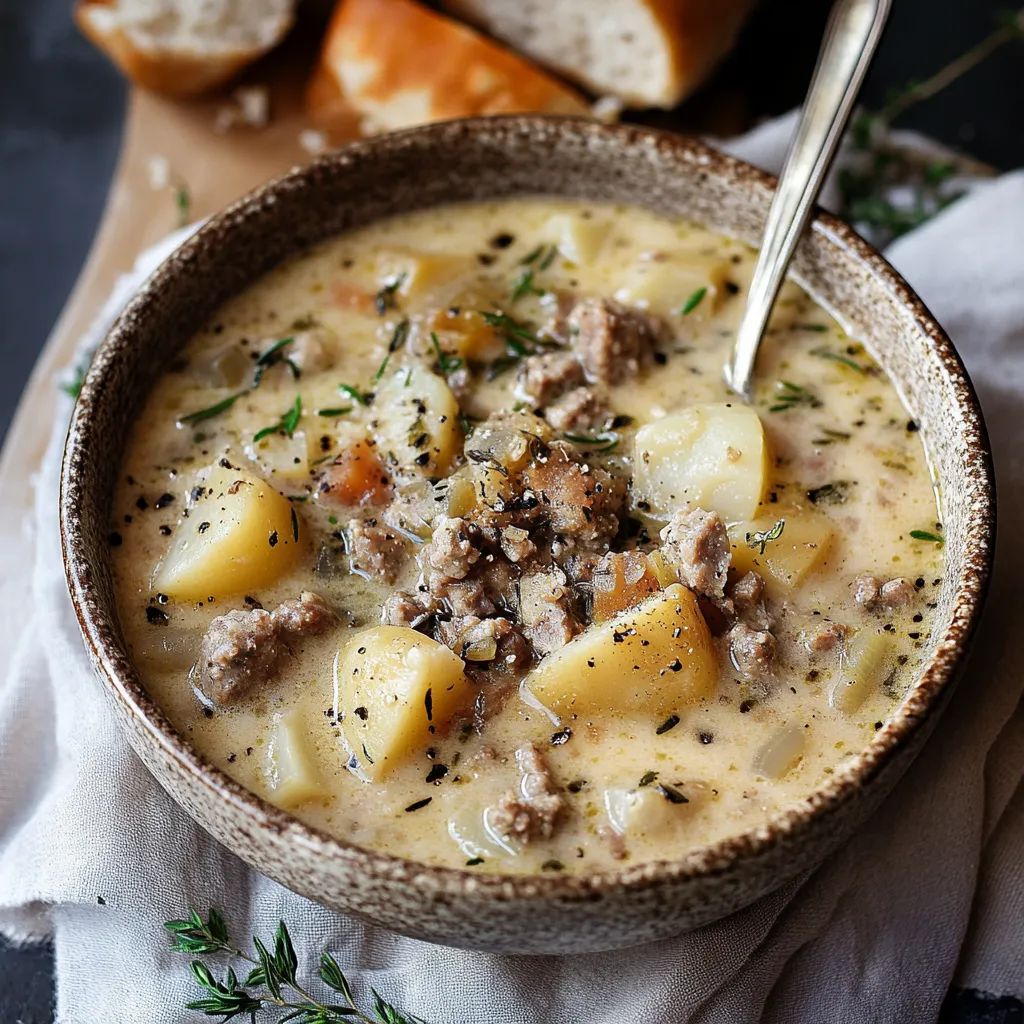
x: 95, y: 854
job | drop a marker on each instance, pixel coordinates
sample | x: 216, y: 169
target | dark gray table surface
x: 61, y: 108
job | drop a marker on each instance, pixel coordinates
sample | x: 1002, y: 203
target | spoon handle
x: 851, y: 37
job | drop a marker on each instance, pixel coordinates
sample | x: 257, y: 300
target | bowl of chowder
x: 431, y: 566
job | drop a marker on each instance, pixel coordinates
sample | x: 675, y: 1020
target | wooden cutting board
x: 215, y: 169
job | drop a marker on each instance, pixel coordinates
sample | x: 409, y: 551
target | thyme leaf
x: 829, y: 494
x: 401, y: 332
x: 387, y: 297
x: 357, y: 396
x: 285, y: 425
x: 603, y: 442
x: 693, y: 302
x: 838, y: 357
x: 446, y: 363
x: 183, y: 202
x: 334, y: 411
x: 791, y: 395
x: 927, y: 535
x: 762, y: 538
x: 524, y: 286
x: 214, y: 410
x: 671, y: 794
x: 273, y: 356
x: 272, y: 982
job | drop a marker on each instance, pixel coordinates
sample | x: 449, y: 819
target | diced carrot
x: 348, y: 296
x: 357, y: 476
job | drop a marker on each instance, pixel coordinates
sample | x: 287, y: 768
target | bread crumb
x: 254, y: 104
x: 158, y: 168
x: 250, y: 107
x: 607, y: 109
x: 312, y: 141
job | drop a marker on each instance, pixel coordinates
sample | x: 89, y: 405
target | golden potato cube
x: 290, y: 769
x: 802, y: 546
x: 656, y: 658
x: 709, y: 456
x: 240, y: 534
x: 462, y: 331
x: 416, y: 423
x: 424, y: 275
x: 288, y: 458
x: 665, y: 286
x: 393, y: 688
x: 863, y: 671
x: 579, y: 239
x: 622, y: 580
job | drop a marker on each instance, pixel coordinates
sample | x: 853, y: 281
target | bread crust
x: 179, y: 73
x: 696, y: 34
x: 398, y: 63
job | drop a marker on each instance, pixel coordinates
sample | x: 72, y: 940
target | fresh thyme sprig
x: 517, y: 338
x: 762, y: 538
x: 273, y: 356
x: 274, y: 973
x: 880, y: 165
x: 791, y: 395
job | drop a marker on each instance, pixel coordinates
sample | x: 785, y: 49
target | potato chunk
x: 239, y: 534
x: 393, y: 688
x: 665, y: 286
x: 657, y: 812
x: 423, y: 275
x: 283, y: 457
x: 291, y: 772
x: 622, y: 580
x: 417, y: 422
x: 863, y: 671
x: 579, y: 239
x: 654, y: 658
x: 802, y: 546
x: 711, y: 456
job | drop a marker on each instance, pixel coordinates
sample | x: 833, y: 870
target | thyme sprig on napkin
x: 272, y: 982
x: 889, y: 189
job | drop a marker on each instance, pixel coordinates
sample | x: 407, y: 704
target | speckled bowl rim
x: 99, y: 624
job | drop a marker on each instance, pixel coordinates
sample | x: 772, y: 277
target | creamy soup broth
x: 715, y: 698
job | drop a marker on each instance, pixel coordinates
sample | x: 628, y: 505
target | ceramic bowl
x: 489, y: 159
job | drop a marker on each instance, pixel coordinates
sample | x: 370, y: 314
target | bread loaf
x: 184, y: 47
x: 397, y: 64
x: 650, y: 53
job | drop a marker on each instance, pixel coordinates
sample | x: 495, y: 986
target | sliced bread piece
x: 397, y: 64
x: 184, y: 47
x: 649, y: 53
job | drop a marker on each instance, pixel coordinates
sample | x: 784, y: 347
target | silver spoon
x: 851, y: 38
